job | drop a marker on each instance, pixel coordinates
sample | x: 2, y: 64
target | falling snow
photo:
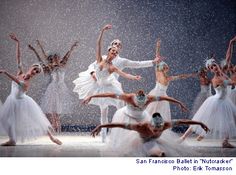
x: 189, y: 31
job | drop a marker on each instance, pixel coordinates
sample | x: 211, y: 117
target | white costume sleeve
x: 126, y: 63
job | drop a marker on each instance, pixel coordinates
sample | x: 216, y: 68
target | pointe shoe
x: 226, y: 144
x: 9, y: 143
x: 199, y: 138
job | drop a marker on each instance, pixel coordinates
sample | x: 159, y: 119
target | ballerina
x: 57, y: 99
x: 105, y: 81
x: 21, y: 118
x: 162, y: 82
x: 122, y: 63
x: 150, y: 132
x: 133, y: 112
x: 205, y: 92
x: 217, y: 111
x: 230, y: 69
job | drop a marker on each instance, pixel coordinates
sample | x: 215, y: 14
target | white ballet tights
x: 104, y: 120
x: 11, y: 134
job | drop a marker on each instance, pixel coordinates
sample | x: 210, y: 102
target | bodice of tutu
x: 136, y: 111
x: 161, y: 87
x: 221, y: 91
x: 58, y: 75
x: 17, y: 90
x: 206, y: 88
x: 103, y: 76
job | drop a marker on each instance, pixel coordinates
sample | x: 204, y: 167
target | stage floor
x: 87, y: 146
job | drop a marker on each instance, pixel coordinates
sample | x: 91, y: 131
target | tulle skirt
x: 218, y: 114
x: 163, y: 107
x: 22, y: 119
x: 201, y: 97
x: 57, y: 99
x: 135, y: 146
x: 121, y: 140
x: 233, y: 96
x: 86, y: 86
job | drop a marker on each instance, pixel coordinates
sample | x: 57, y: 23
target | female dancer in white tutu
x: 217, y: 111
x: 133, y: 112
x: 57, y: 99
x: 205, y: 92
x: 122, y: 63
x: 230, y: 70
x: 105, y: 81
x: 21, y: 118
x: 162, y: 82
x: 150, y: 134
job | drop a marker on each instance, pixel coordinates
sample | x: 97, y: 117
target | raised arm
x: 125, y: 75
x: 12, y: 77
x: 230, y: 51
x: 18, y: 60
x: 67, y: 55
x: 36, y: 53
x: 158, y: 47
x: 99, y: 43
x: 41, y: 47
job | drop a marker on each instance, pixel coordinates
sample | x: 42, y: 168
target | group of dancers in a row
x: 140, y: 119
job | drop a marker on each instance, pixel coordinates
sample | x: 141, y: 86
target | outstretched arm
x: 105, y: 95
x: 125, y: 63
x: 67, y: 56
x: 230, y: 51
x: 170, y: 99
x: 125, y: 75
x: 189, y: 122
x: 111, y: 125
x: 12, y: 77
x: 18, y: 60
x: 182, y: 76
x: 99, y: 43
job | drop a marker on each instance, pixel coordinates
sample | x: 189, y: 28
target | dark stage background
x: 189, y: 30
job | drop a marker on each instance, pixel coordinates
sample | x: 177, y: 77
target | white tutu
x: 119, y: 136
x: 201, y: 97
x: 21, y: 117
x: 163, y: 107
x: 233, y: 96
x: 124, y: 142
x: 168, y: 143
x: 218, y: 113
x: 86, y: 86
x: 57, y: 98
